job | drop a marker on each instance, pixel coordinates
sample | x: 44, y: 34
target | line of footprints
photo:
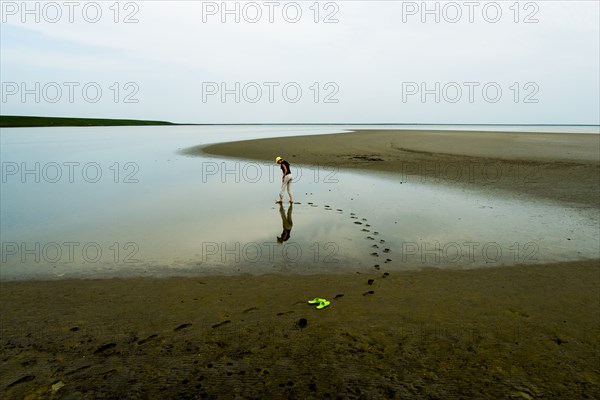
x: 379, y: 244
x: 108, y: 348
x: 302, y: 323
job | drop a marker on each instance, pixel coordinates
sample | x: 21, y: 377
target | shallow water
x: 122, y: 201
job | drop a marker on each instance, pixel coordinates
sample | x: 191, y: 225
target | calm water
x: 101, y: 202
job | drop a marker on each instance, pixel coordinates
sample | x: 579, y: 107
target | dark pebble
x: 302, y: 322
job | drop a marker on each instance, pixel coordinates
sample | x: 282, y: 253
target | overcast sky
x: 306, y: 61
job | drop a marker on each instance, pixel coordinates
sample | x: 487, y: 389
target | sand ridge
x: 562, y: 167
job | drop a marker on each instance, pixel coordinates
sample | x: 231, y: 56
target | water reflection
x: 286, y: 220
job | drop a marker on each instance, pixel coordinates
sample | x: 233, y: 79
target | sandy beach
x: 525, y: 331
x: 556, y: 166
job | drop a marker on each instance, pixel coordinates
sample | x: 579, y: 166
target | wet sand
x: 525, y: 332
x: 510, y: 332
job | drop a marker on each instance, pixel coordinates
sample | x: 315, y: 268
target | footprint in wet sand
x: 105, y: 347
x: 77, y: 370
x: 26, y: 378
x: 368, y: 293
x: 182, y: 326
x: 376, y: 266
x: 386, y: 250
x: 365, y: 230
x: 358, y: 223
x: 286, y: 313
x: 370, y: 238
x: 221, y: 324
x: 108, y: 373
x: 388, y: 260
x: 375, y: 246
x: 338, y: 296
x: 149, y: 338
x: 375, y: 254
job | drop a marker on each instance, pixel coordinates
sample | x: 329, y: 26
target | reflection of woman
x: 287, y: 224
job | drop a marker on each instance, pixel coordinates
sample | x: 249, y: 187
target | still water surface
x: 123, y: 201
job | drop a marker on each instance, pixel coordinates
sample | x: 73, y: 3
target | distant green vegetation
x: 13, y: 121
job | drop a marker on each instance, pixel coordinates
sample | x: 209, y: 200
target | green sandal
x: 323, y: 304
x: 316, y: 300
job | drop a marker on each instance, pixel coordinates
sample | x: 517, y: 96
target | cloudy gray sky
x: 306, y: 61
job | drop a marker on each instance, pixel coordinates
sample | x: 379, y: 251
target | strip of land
x: 14, y: 121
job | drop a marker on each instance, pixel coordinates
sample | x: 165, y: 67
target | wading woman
x: 286, y: 179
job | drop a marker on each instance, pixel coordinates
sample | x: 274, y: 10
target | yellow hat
x: 278, y: 159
